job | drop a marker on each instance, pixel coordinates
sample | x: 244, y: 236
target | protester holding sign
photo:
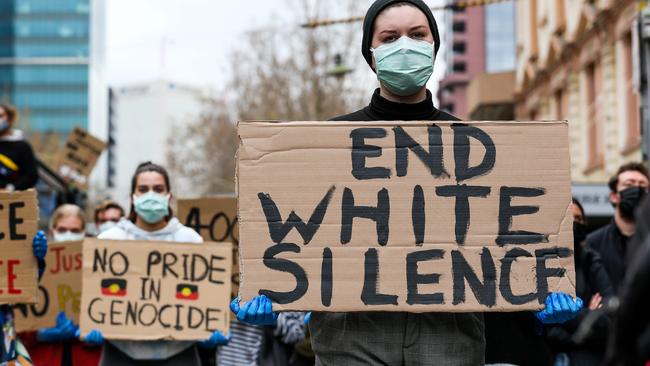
x: 18, y: 167
x: 400, y: 42
x: 11, y: 348
x: 151, y: 218
x: 59, y: 346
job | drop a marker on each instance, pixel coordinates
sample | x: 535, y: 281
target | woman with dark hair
x: 18, y: 167
x: 151, y: 218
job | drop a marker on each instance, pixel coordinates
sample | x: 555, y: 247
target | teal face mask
x: 151, y: 206
x: 404, y: 66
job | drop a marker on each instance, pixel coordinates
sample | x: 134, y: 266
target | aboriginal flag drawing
x: 185, y: 291
x: 114, y: 287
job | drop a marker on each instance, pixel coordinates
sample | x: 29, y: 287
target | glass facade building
x: 44, y: 60
x: 500, y: 48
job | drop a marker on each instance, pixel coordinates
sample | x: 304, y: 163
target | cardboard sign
x: 405, y: 216
x: 59, y: 289
x: 79, y: 156
x: 145, y: 290
x: 18, y: 267
x: 215, y: 218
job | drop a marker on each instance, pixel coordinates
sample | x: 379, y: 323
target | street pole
x: 644, y: 75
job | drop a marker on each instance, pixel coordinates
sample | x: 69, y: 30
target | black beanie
x: 377, y: 7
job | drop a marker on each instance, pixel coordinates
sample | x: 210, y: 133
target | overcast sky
x: 188, y: 41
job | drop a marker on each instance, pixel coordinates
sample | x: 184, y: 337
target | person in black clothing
x: 593, y: 285
x: 629, y: 343
x: 18, y: 166
x: 400, y: 42
x: 628, y: 187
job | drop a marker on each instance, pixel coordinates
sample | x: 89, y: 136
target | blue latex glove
x: 258, y: 311
x: 64, y: 330
x: 307, y: 318
x: 39, y: 245
x: 560, y: 308
x: 216, y: 339
x: 93, y: 338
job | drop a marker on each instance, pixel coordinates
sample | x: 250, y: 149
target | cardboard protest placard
x: 215, y: 218
x: 146, y: 290
x: 18, y: 267
x: 79, y: 157
x: 405, y: 216
x: 59, y: 289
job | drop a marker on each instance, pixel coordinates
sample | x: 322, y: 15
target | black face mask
x: 630, y: 199
x: 579, y: 233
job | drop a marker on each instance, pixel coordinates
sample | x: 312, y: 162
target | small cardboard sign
x: 59, y: 289
x: 79, y: 156
x: 18, y: 267
x: 147, y: 290
x: 215, y: 218
x: 414, y: 216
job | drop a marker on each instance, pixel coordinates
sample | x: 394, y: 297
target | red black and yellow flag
x: 114, y: 287
x: 187, y: 292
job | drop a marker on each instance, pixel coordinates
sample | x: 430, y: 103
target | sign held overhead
x: 405, y: 216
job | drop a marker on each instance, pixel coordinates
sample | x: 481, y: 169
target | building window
x: 458, y: 9
x: 633, y: 126
x: 449, y: 108
x: 460, y: 67
x: 460, y: 47
x: 594, y: 127
x: 458, y: 27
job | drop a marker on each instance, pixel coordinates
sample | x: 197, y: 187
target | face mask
x: 630, y: 199
x: 579, y: 233
x: 4, y: 125
x: 106, y: 226
x: 67, y: 236
x: 151, y: 207
x: 404, y: 66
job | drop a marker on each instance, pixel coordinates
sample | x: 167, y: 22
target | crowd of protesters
x: 606, y: 322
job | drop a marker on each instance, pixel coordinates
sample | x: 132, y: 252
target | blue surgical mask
x: 404, y: 66
x: 67, y: 236
x: 152, y: 207
x: 106, y: 226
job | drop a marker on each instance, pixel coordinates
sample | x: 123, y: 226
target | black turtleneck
x: 382, y: 109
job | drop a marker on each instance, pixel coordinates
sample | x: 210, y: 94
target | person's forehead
x: 632, y: 176
x: 400, y: 17
x: 150, y: 178
x: 112, y: 211
x: 69, y: 221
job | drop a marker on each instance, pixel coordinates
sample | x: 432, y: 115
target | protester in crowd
x: 12, y: 350
x: 18, y: 166
x: 629, y: 343
x: 107, y: 215
x: 151, y: 218
x: 270, y: 345
x: 628, y: 187
x: 59, y: 346
x: 400, y: 42
x: 592, y: 285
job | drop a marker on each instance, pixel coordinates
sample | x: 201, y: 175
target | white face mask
x: 106, y: 226
x: 67, y: 236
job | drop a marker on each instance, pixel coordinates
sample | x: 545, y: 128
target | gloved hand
x: 560, y: 308
x: 39, y: 245
x: 216, y: 339
x: 64, y: 330
x: 307, y: 318
x: 258, y: 311
x: 93, y: 338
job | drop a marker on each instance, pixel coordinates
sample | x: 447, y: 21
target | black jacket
x: 381, y: 109
x: 18, y: 166
x: 629, y: 343
x: 611, y: 245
